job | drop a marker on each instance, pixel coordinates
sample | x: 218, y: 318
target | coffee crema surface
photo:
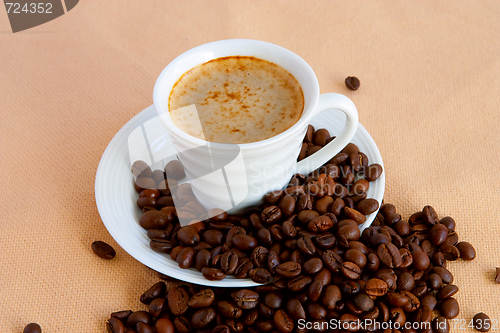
x: 236, y: 100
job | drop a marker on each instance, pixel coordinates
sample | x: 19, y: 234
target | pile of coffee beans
x: 395, y: 271
x: 328, y: 203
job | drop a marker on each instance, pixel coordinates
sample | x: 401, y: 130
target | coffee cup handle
x: 344, y: 104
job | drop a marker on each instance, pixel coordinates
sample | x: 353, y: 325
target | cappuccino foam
x: 236, y: 100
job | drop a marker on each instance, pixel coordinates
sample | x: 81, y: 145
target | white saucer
x: 144, y: 138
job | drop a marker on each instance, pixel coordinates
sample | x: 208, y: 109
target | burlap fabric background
x: 429, y: 96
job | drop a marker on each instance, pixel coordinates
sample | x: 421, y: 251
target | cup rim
x: 167, y: 121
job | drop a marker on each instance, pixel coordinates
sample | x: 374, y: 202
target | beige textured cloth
x: 429, y: 96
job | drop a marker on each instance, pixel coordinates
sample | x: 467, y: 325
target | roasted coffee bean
x: 306, y: 245
x: 447, y: 291
x: 354, y: 215
x: 289, y: 269
x: 430, y: 215
x: 352, y: 83
x: 286, y: 206
x: 347, y: 233
x: 350, y: 287
x: 164, y: 325
x: 202, y: 318
x: 213, y: 274
x: 367, y: 206
x: 282, y: 321
x: 320, y: 224
x: 356, y: 257
x: 245, y: 265
x: 445, y: 274
x: 312, y: 266
x: 389, y: 255
x: 174, y: 170
x: 139, y: 316
x: 497, y: 277
x: 35, y: 328
x: 438, y: 234
x: 440, y: 325
x: 372, y: 262
x: 449, y: 308
x: 350, y: 270
x: 332, y: 261
x: 271, y: 214
x: 420, y: 260
x: 260, y: 275
x: 428, y: 300
x: 156, y: 291
x: 141, y: 169
x: 245, y: 298
x: 146, y: 202
x: 103, y: 250
x: 143, y: 328
x: 122, y: 315
x: 144, y: 183
x: 229, y: 262
x: 396, y: 299
x: 245, y: 242
x: 229, y: 309
x: 373, y: 172
x: 178, y: 300
x: 185, y: 258
x: 154, y: 220
x: 264, y: 236
x: 276, y: 233
x: 202, y: 299
x: 376, y: 287
x: 467, y: 251
x: 202, y: 259
x: 181, y: 325
x: 482, y: 322
x: 449, y: 222
x: 434, y: 281
x: 450, y: 252
x: 113, y: 325
x: 406, y: 281
x: 299, y: 283
x: 188, y: 236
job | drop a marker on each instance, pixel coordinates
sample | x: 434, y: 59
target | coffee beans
x: 103, y: 250
x: 32, y: 328
x: 352, y: 82
x: 497, y: 277
x: 481, y: 322
x: 467, y: 251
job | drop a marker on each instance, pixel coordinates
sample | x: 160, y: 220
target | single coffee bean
x: 229, y: 309
x: 178, y: 300
x: 449, y: 308
x: 312, y: 266
x: 164, y: 325
x: 139, y: 316
x: 389, y: 255
x: 143, y: 328
x: 188, y: 236
x: 271, y: 214
x: 229, y: 262
x: 146, y: 202
x: 406, y: 281
x: 185, y: 258
x: 355, y: 215
x: 428, y: 300
x: 447, y: 291
x: 289, y: 269
x: 155, y: 219
x: 113, y: 325
x: 299, y: 283
x: 376, y: 287
x: 363, y: 302
x: 356, y: 257
x: 450, y: 252
x: 282, y: 321
x: 260, y: 275
x: 35, y: 328
x: 245, y: 298
x: 440, y: 325
x: 430, y: 215
x: 287, y: 205
x: 423, y: 315
x: 467, y: 251
x: 156, y: 291
x: 103, y: 250
x: 482, y: 322
x: 141, y: 169
x: 434, y: 282
x: 144, y: 183
x: 174, y: 170
x: 306, y: 245
x: 202, y: 259
x: 161, y: 245
x: 245, y: 242
x: 350, y: 270
x: 497, y: 277
x: 202, y: 299
x: 157, y: 306
x: 213, y: 274
x: 367, y: 206
x: 352, y: 83
x: 122, y: 315
x: 438, y: 234
x: 181, y: 325
x: 421, y: 260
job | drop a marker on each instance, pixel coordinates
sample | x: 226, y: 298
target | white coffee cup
x: 235, y: 176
